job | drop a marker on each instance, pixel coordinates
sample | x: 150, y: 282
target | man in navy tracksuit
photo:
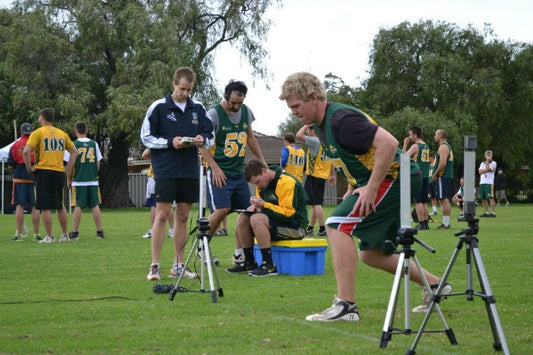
x: 173, y: 128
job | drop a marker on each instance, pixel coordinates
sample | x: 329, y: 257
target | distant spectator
x: 23, y: 185
x: 500, y: 185
x: 458, y: 198
x: 486, y: 171
x: 292, y: 157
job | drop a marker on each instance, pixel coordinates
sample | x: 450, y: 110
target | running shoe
x: 176, y: 270
x: 148, y: 235
x: 64, y: 238
x: 238, y: 259
x: 241, y: 267
x: 155, y: 273
x: 74, y: 235
x: 339, y: 310
x: 426, y: 297
x: 100, y: 234
x: 264, y: 270
x: 16, y: 238
x: 47, y: 239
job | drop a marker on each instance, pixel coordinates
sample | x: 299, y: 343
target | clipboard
x: 242, y: 210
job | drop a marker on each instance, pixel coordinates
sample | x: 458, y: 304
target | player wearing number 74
x: 85, y: 190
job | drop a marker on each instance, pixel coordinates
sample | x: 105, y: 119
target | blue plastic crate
x: 296, y: 259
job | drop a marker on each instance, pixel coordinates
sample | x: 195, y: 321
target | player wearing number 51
x: 84, y: 186
x: 50, y: 144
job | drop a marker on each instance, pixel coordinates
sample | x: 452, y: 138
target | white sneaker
x: 339, y: 310
x: 155, y: 273
x: 47, y: 239
x: 175, y: 271
x: 238, y: 259
x: 170, y: 232
x: 426, y: 297
x: 148, y: 235
x: 64, y: 238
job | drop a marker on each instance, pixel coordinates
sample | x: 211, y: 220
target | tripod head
x: 406, y: 238
x: 203, y: 224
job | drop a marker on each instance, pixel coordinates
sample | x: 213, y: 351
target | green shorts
x: 486, y: 191
x: 379, y: 229
x: 85, y: 196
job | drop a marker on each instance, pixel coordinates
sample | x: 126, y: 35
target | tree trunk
x: 114, y: 175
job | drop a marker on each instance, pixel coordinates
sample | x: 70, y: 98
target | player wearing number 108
x: 50, y: 144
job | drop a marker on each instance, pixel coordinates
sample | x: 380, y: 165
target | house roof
x: 270, y: 147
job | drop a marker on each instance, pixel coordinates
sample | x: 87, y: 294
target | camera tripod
x: 201, y: 247
x: 406, y: 239
x: 472, y: 252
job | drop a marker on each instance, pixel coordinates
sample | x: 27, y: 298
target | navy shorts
x: 23, y: 194
x: 235, y: 194
x: 150, y: 201
x: 179, y: 190
x: 314, y: 187
x: 443, y: 188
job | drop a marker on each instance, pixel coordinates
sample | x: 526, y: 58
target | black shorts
x: 422, y: 194
x: 177, y: 190
x: 314, y: 187
x: 49, y: 187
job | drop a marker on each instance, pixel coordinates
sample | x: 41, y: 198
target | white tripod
x: 201, y: 247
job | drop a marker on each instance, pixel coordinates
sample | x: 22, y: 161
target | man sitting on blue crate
x: 277, y: 212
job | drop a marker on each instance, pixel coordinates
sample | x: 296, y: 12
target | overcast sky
x: 306, y: 34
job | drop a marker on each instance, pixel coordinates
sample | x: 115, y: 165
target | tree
x: 462, y: 75
x: 105, y: 61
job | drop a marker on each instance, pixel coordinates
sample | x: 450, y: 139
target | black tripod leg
x: 490, y: 300
x: 443, y: 280
x: 386, y: 333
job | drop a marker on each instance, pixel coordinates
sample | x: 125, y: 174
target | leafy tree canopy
x: 105, y: 61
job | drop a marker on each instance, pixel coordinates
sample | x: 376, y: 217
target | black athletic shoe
x: 264, y: 270
x: 74, y: 235
x: 100, y: 234
x: 241, y: 267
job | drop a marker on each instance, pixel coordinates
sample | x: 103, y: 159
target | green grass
x: 91, y: 297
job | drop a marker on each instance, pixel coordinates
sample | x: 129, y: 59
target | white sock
x: 434, y: 208
x: 238, y: 251
x: 446, y: 220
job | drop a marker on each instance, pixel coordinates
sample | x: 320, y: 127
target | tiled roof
x: 270, y: 147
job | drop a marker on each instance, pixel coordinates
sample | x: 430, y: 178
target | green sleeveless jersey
x: 230, y: 141
x: 448, y: 170
x: 86, y: 166
x: 356, y: 168
x: 423, y: 158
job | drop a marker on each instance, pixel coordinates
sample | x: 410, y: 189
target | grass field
x: 91, y: 297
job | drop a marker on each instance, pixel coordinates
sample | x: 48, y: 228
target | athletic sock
x: 248, y: 255
x: 446, y: 220
x: 267, y: 256
x: 238, y: 251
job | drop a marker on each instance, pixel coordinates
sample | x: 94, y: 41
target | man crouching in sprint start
x: 281, y: 206
x: 368, y: 156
